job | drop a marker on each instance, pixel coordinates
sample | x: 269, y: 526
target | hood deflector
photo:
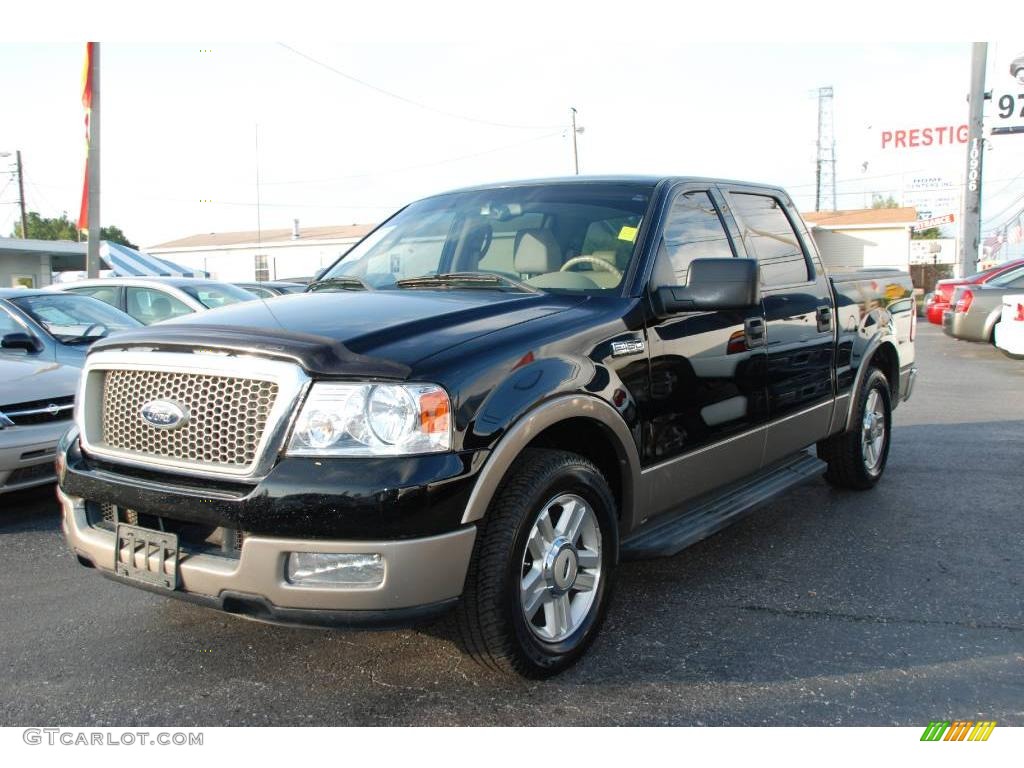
x: 317, y: 355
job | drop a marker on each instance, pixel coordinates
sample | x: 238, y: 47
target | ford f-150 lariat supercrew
x: 484, y: 406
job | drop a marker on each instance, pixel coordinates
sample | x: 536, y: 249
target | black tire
x: 489, y: 619
x: 844, y: 453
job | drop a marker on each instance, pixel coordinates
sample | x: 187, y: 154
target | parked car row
x: 941, y: 298
x: 976, y: 309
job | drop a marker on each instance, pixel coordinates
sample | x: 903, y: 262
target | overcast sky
x: 179, y: 123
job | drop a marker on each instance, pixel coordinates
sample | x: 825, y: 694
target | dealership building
x: 270, y: 254
x: 870, y: 238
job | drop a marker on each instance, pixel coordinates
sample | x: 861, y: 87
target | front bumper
x: 27, y: 454
x: 422, y: 576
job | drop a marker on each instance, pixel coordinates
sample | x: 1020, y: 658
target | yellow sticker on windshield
x: 628, y: 234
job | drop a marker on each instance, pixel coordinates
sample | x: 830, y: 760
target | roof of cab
x: 640, y: 180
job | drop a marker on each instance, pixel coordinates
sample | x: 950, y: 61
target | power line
x: 418, y: 166
x: 405, y: 99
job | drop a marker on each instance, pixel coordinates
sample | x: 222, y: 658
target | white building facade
x: 873, y: 238
x: 277, y: 254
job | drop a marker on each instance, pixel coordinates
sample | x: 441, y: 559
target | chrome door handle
x: 753, y: 328
x: 824, y: 318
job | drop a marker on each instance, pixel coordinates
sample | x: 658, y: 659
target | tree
x: 62, y: 228
x: 932, y: 233
x: 884, y: 202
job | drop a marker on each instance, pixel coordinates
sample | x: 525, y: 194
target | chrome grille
x: 227, y: 415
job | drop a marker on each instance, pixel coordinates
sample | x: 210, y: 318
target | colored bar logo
x: 958, y: 730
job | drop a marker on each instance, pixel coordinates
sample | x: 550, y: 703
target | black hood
x: 373, y: 333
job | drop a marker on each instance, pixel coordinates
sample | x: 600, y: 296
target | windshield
x: 556, y: 237
x: 213, y: 295
x: 74, y: 319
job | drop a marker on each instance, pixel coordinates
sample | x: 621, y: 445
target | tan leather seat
x: 537, y: 252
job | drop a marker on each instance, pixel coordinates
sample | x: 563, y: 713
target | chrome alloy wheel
x: 561, y: 568
x: 872, y: 440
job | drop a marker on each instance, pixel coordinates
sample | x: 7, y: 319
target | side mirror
x: 21, y: 340
x: 712, y: 284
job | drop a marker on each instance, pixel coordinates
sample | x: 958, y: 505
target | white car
x: 36, y: 406
x: 152, y: 299
x: 1009, y: 331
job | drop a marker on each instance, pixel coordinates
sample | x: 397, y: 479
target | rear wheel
x: 540, y: 578
x: 856, y: 459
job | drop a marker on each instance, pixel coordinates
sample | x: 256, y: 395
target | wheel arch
x: 580, y: 423
x: 881, y: 355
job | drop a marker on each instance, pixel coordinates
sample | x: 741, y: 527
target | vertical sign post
x: 92, y: 255
x: 971, y: 234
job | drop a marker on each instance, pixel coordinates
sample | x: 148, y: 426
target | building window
x: 262, y: 270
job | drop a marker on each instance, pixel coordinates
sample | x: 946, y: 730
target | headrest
x: 536, y: 252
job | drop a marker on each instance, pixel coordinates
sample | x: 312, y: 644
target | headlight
x: 372, y: 420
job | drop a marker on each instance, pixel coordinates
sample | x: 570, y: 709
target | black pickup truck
x: 490, y: 401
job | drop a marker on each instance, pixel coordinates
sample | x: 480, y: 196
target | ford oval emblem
x: 164, y: 414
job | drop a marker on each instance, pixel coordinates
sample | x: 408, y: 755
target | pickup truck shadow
x: 20, y: 510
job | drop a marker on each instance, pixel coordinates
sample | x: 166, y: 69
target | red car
x: 938, y: 302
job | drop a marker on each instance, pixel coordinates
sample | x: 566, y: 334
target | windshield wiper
x: 86, y: 339
x: 464, y: 280
x: 343, y: 282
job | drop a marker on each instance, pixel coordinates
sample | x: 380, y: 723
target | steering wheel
x: 599, y: 264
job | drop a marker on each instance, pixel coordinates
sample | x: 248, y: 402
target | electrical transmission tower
x: 826, y: 175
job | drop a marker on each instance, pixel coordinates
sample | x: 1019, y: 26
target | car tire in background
x: 540, y: 578
x: 856, y: 459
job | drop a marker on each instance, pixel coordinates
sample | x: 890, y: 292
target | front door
x: 707, y: 406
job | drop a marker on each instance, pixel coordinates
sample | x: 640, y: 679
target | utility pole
x: 825, y: 175
x: 970, y: 235
x: 92, y: 254
x: 575, y: 153
x: 21, y: 196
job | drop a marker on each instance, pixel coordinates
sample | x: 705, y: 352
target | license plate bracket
x: 159, y: 550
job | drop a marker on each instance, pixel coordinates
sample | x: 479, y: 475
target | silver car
x: 975, y: 309
x: 154, y: 299
x: 54, y: 327
x: 36, y: 406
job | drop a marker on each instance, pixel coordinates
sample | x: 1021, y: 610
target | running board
x: 664, y: 539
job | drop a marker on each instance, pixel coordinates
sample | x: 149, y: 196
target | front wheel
x: 856, y: 459
x: 540, y: 579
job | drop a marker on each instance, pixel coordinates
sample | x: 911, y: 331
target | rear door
x: 108, y: 294
x: 799, y: 317
x: 707, y: 397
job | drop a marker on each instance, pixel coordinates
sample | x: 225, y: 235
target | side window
x: 693, y: 230
x: 105, y: 293
x: 773, y: 239
x: 149, y: 306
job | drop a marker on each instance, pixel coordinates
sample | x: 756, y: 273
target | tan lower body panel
x: 416, y: 571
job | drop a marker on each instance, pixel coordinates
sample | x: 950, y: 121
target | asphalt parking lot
x: 892, y: 607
